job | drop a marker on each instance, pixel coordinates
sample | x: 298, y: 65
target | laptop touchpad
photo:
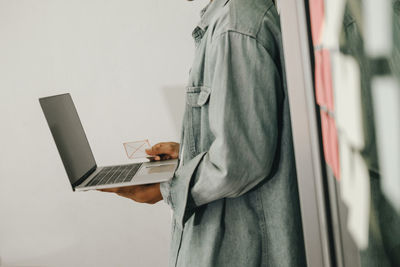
x: 159, y: 169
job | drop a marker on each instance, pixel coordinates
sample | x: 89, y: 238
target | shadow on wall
x: 174, y: 96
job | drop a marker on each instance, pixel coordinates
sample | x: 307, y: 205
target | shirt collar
x: 209, y: 12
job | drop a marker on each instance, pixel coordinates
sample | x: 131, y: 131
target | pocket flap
x: 197, y: 96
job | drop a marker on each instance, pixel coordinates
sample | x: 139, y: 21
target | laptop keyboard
x: 115, y: 174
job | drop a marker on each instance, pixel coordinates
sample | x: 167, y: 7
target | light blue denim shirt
x: 234, y: 195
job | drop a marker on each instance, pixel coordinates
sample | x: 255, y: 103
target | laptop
x: 78, y: 159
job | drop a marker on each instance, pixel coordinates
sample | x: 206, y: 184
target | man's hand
x: 164, y: 151
x: 149, y: 193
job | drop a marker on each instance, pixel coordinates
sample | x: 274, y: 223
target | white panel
x: 334, y: 11
x: 347, y: 84
x: 358, y: 218
x: 345, y: 171
x: 355, y: 192
x: 378, y: 37
x: 386, y: 96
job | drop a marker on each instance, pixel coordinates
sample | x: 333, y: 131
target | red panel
x: 323, y: 79
x: 317, y: 18
x: 330, y: 142
x: 334, y: 148
x: 326, y: 137
x: 327, y: 78
x: 319, y: 79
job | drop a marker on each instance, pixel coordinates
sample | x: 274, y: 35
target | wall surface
x: 125, y: 63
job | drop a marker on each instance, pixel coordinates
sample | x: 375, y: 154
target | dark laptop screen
x: 68, y: 134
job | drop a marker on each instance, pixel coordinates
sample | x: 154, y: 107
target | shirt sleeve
x: 243, y: 117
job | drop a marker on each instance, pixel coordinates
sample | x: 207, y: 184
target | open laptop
x: 78, y: 159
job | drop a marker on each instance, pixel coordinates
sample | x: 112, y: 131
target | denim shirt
x: 234, y: 194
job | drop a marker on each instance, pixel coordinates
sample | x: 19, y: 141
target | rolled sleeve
x: 177, y: 190
x: 166, y: 192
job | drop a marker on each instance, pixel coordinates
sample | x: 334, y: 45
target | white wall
x: 125, y: 62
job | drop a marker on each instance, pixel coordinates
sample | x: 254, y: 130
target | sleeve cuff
x: 179, y: 191
x: 165, y: 188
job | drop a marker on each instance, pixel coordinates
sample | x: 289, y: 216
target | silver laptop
x: 78, y: 159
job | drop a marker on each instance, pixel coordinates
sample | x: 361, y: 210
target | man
x: 234, y: 194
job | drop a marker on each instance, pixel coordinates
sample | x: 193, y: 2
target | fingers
x: 149, y: 193
x: 109, y: 190
x: 164, y: 150
x: 161, y: 157
x: 119, y: 190
x: 155, y: 158
x: 160, y: 148
x: 131, y: 190
x: 165, y: 157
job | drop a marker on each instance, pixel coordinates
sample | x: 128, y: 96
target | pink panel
x: 317, y: 18
x: 334, y: 148
x: 327, y: 79
x: 319, y: 79
x: 330, y: 142
x: 326, y: 137
x: 323, y: 79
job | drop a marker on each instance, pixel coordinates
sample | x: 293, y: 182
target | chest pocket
x: 196, y: 121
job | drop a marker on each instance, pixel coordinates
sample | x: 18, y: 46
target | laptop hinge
x: 83, y: 178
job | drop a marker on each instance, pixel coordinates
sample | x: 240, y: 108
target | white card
x: 386, y: 99
x: 334, y: 12
x: 355, y: 192
x: 378, y: 29
x: 345, y: 171
x: 347, y: 93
